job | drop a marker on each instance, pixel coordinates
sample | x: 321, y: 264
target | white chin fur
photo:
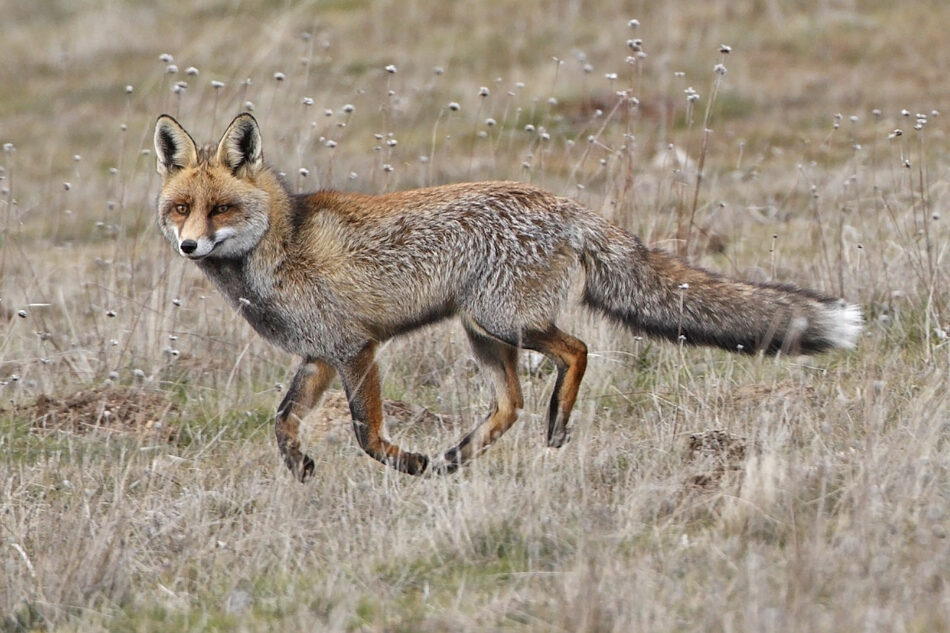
x: 845, y: 322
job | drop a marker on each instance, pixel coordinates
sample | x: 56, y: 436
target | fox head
x: 212, y: 202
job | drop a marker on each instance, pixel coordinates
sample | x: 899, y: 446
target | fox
x: 328, y: 276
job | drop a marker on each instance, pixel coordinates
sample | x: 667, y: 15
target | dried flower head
x: 391, y: 69
x: 192, y: 71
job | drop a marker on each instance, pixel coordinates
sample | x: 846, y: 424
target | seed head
x: 725, y: 49
x: 391, y: 69
x: 217, y: 85
x: 165, y: 57
x: 191, y: 71
x: 720, y: 69
x: 279, y: 76
x: 171, y: 69
x: 129, y: 89
x: 348, y: 108
x: 484, y: 91
x: 307, y: 101
x: 454, y: 106
x: 634, y: 23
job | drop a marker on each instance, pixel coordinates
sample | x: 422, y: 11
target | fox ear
x: 174, y: 147
x: 240, y: 147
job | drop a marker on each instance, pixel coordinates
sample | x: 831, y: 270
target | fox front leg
x: 360, y: 378
x: 307, y: 387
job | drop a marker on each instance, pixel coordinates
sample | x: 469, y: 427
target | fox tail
x: 661, y: 295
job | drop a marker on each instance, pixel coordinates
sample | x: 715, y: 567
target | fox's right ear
x: 174, y: 147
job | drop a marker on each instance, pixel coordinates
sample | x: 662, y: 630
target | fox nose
x: 188, y: 246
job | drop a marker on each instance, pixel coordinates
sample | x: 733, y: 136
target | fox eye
x: 181, y: 209
x: 220, y: 208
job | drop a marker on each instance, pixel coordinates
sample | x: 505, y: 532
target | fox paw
x: 301, y: 466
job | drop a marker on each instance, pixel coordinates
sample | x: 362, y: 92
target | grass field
x: 140, y: 484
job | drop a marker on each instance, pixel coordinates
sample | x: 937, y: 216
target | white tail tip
x: 845, y: 322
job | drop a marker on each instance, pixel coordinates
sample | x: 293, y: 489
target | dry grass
x: 141, y: 487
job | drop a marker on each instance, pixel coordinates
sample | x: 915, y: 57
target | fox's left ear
x: 240, y: 147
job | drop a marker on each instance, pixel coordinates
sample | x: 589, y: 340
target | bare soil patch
x: 107, y: 408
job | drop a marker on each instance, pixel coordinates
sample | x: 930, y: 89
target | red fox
x: 330, y: 275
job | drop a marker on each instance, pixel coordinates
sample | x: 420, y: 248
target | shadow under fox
x: 330, y: 275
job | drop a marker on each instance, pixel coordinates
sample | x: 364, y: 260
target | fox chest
x: 299, y: 325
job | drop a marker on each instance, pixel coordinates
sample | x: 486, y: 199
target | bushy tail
x: 661, y: 295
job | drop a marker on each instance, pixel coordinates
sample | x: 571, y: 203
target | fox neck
x: 251, y: 277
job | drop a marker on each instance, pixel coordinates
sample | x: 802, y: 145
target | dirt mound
x: 711, y: 454
x: 332, y: 419
x: 111, y: 408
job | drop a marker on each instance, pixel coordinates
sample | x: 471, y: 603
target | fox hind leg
x: 305, y: 390
x: 570, y: 357
x: 501, y: 360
